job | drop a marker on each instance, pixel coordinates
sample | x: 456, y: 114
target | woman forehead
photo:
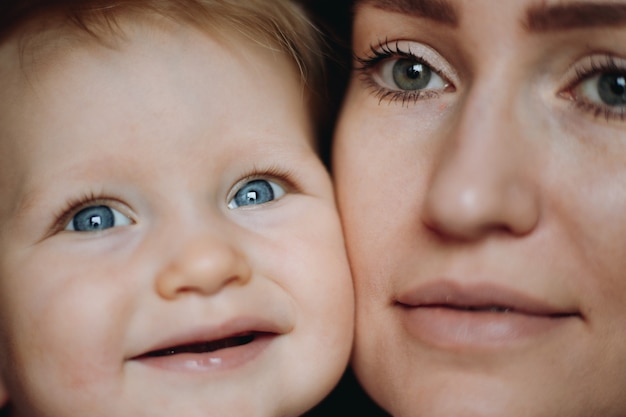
x: 536, y: 15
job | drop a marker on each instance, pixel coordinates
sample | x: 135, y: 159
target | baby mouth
x: 204, y: 347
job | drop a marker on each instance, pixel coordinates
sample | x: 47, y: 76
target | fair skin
x: 170, y: 132
x: 484, y: 206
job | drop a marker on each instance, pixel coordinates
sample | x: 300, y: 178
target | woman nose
x: 483, y: 181
x: 204, y: 266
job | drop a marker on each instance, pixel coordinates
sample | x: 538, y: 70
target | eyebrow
x: 440, y: 11
x: 578, y: 15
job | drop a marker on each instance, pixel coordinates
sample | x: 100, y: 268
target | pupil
x: 251, y: 196
x: 415, y: 71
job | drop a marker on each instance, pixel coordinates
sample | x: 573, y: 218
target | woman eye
x: 600, y: 88
x: 97, y: 218
x: 410, y: 75
x: 404, y: 71
x: 608, y: 89
x: 255, y: 192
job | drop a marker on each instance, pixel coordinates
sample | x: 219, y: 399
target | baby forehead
x: 44, y: 48
x: 44, y: 43
x: 43, y: 39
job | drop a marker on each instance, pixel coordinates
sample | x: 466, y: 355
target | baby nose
x: 203, y: 267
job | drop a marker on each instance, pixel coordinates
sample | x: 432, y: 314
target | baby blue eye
x: 256, y: 192
x: 97, y: 218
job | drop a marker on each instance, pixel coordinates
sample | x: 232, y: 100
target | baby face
x: 168, y: 237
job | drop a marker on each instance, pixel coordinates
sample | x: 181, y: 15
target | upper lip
x: 237, y: 327
x: 481, y: 296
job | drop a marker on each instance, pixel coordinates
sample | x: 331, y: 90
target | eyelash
x: 391, y: 50
x: 284, y: 177
x: 595, y: 66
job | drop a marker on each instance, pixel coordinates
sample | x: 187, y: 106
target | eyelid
x: 593, y: 64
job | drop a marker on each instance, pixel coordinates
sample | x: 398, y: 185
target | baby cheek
x: 75, y: 345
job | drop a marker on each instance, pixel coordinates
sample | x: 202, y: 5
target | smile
x: 204, y: 347
x: 229, y: 345
x: 217, y: 355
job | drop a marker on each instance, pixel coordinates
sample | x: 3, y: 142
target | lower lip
x: 223, y: 359
x: 450, y: 328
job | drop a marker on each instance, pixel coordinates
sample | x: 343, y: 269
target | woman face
x: 480, y: 163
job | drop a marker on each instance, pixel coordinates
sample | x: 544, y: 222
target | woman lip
x: 449, y: 315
